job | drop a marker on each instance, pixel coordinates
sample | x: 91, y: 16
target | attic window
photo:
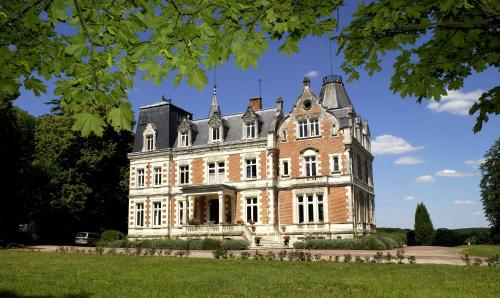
x: 307, y: 104
x: 150, y: 142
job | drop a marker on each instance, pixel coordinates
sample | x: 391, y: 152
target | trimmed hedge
x: 111, y: 235
x: 180, y: 244
x: 365, y: 243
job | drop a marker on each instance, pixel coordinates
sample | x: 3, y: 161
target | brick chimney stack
x: 255, y: 103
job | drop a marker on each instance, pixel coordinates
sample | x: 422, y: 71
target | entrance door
x: 214, y: 211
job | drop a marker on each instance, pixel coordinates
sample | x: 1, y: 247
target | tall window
x: 157, y: 214
x: 310, y: 208
x: 140, y: 177
x: 184, y: 139
x: 251, y: 168
x: 157, y: 176
x: 215, y: 134
x: 139, y: 214
x: 250, y: 130
x: 360, y: 166
x: 335, y: 164
x: 150, y: 142
x: 184, y: 174
x: 310, y: 165
x: 252, y: 210
x: 285, y: 169
x: 216, y: 172
x: 180, y: 213
x: 309, y: 128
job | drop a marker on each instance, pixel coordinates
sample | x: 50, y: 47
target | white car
x: 87, y: 238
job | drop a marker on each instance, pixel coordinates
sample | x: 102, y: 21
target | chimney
x: 279, y: 104
x: 255, y: 103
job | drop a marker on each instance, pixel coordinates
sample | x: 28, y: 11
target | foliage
x: 490, y: 188
x: 181, y: 244
x: 84, y: 185
x: 424, y: 231
x: 399, y: 235
x: 111, y: 235
x: 439, y: 44
x: 365, y: 243
x: 389, y: 242
x: 95, y: 49
x: 446, y: 237
x: 19, y: 180
x: 104, y: 276
x: 481, y: 250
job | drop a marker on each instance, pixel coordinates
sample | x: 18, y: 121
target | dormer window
x: 185, y: 131
x: 150, y: 142
x: 215, y: 134
x: 216, y: 131
x: 149, y: 137
x: 250, y: 124
x: 250, y: 130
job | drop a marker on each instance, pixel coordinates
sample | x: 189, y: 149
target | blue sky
x: 423, y: 153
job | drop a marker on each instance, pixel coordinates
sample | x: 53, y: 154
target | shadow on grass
x: 12, y: 294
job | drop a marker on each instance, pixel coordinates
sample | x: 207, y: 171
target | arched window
x: 149, y: 134
x: 310, y: 163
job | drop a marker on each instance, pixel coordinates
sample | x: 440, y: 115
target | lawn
x: 481, y: 250
x: 61, y: 275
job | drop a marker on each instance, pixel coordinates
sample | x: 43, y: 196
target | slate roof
x: 333, y: 94
x: 233, y: 126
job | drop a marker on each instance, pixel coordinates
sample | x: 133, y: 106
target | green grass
x: 60, y: 275
x: 481, y: 250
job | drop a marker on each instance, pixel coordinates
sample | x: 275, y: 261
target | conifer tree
x: 424, y: 231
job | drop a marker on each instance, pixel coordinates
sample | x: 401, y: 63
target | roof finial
x: 214, y: 106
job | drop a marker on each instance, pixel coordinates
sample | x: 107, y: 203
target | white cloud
x: 474, y: 163
x: 425, y: 179
x: 389, y: 144
x: 455, y: 102
x: 476, y: 213
x: 409, y: 198
x: 312, y: 74
x: 453, y: 173
x: 464, y: 202
x: 408, y: 160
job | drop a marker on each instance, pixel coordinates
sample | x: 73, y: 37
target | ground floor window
x: 139, y: 214
x: 310, y: 208
x: 252, y: 210
x: 156, y: 214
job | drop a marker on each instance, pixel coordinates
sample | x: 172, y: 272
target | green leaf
x: 36, y: 85
x: 88, y: 123
x: 57, y: 10
x: 198, y: 79
x: 9, y: 87
x: 121, y: 118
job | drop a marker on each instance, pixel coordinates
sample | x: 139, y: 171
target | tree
x: 439, y: 44
x: 19, y: 181
x: 86, y: 179
x: 490, y: 188
x: 94, y: 49
x: 424, y: 231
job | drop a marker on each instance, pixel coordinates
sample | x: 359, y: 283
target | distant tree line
x: 56, y: 182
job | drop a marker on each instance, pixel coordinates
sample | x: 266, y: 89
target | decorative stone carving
x: 184, y: 126
x: 250, y: 116
x: 308, y: 116
x: 215, y: 121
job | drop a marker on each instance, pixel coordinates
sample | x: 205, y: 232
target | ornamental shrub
x: 111, y: 235
x: 389, y: 242
x: 424, y: 231
x: 364, y: 243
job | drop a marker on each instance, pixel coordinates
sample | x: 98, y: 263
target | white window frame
x: 252, y: 164
x: 150, y: 142
x: 286, y: 161
x: 181, y: 209
x: 184, y: 174
x: 157, y: 213
x: 141, y: 178
x: 251, y: 130
x: 308, y: 128
x: 317, y: 203
x: 218, y: 134
x: 216, y: 172
x: 332, y: 163
x: 157, y: 176
x: 310, y: 165
x: 254, y: 209
x: 139, y: 214
x: 285, y: 135
x: 184, y: 139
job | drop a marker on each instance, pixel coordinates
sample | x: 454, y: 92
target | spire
x: 214, y: 106
x: 333, y: 94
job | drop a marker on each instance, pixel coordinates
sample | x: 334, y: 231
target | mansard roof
x: 233, y: 126
x: 333, y: 94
